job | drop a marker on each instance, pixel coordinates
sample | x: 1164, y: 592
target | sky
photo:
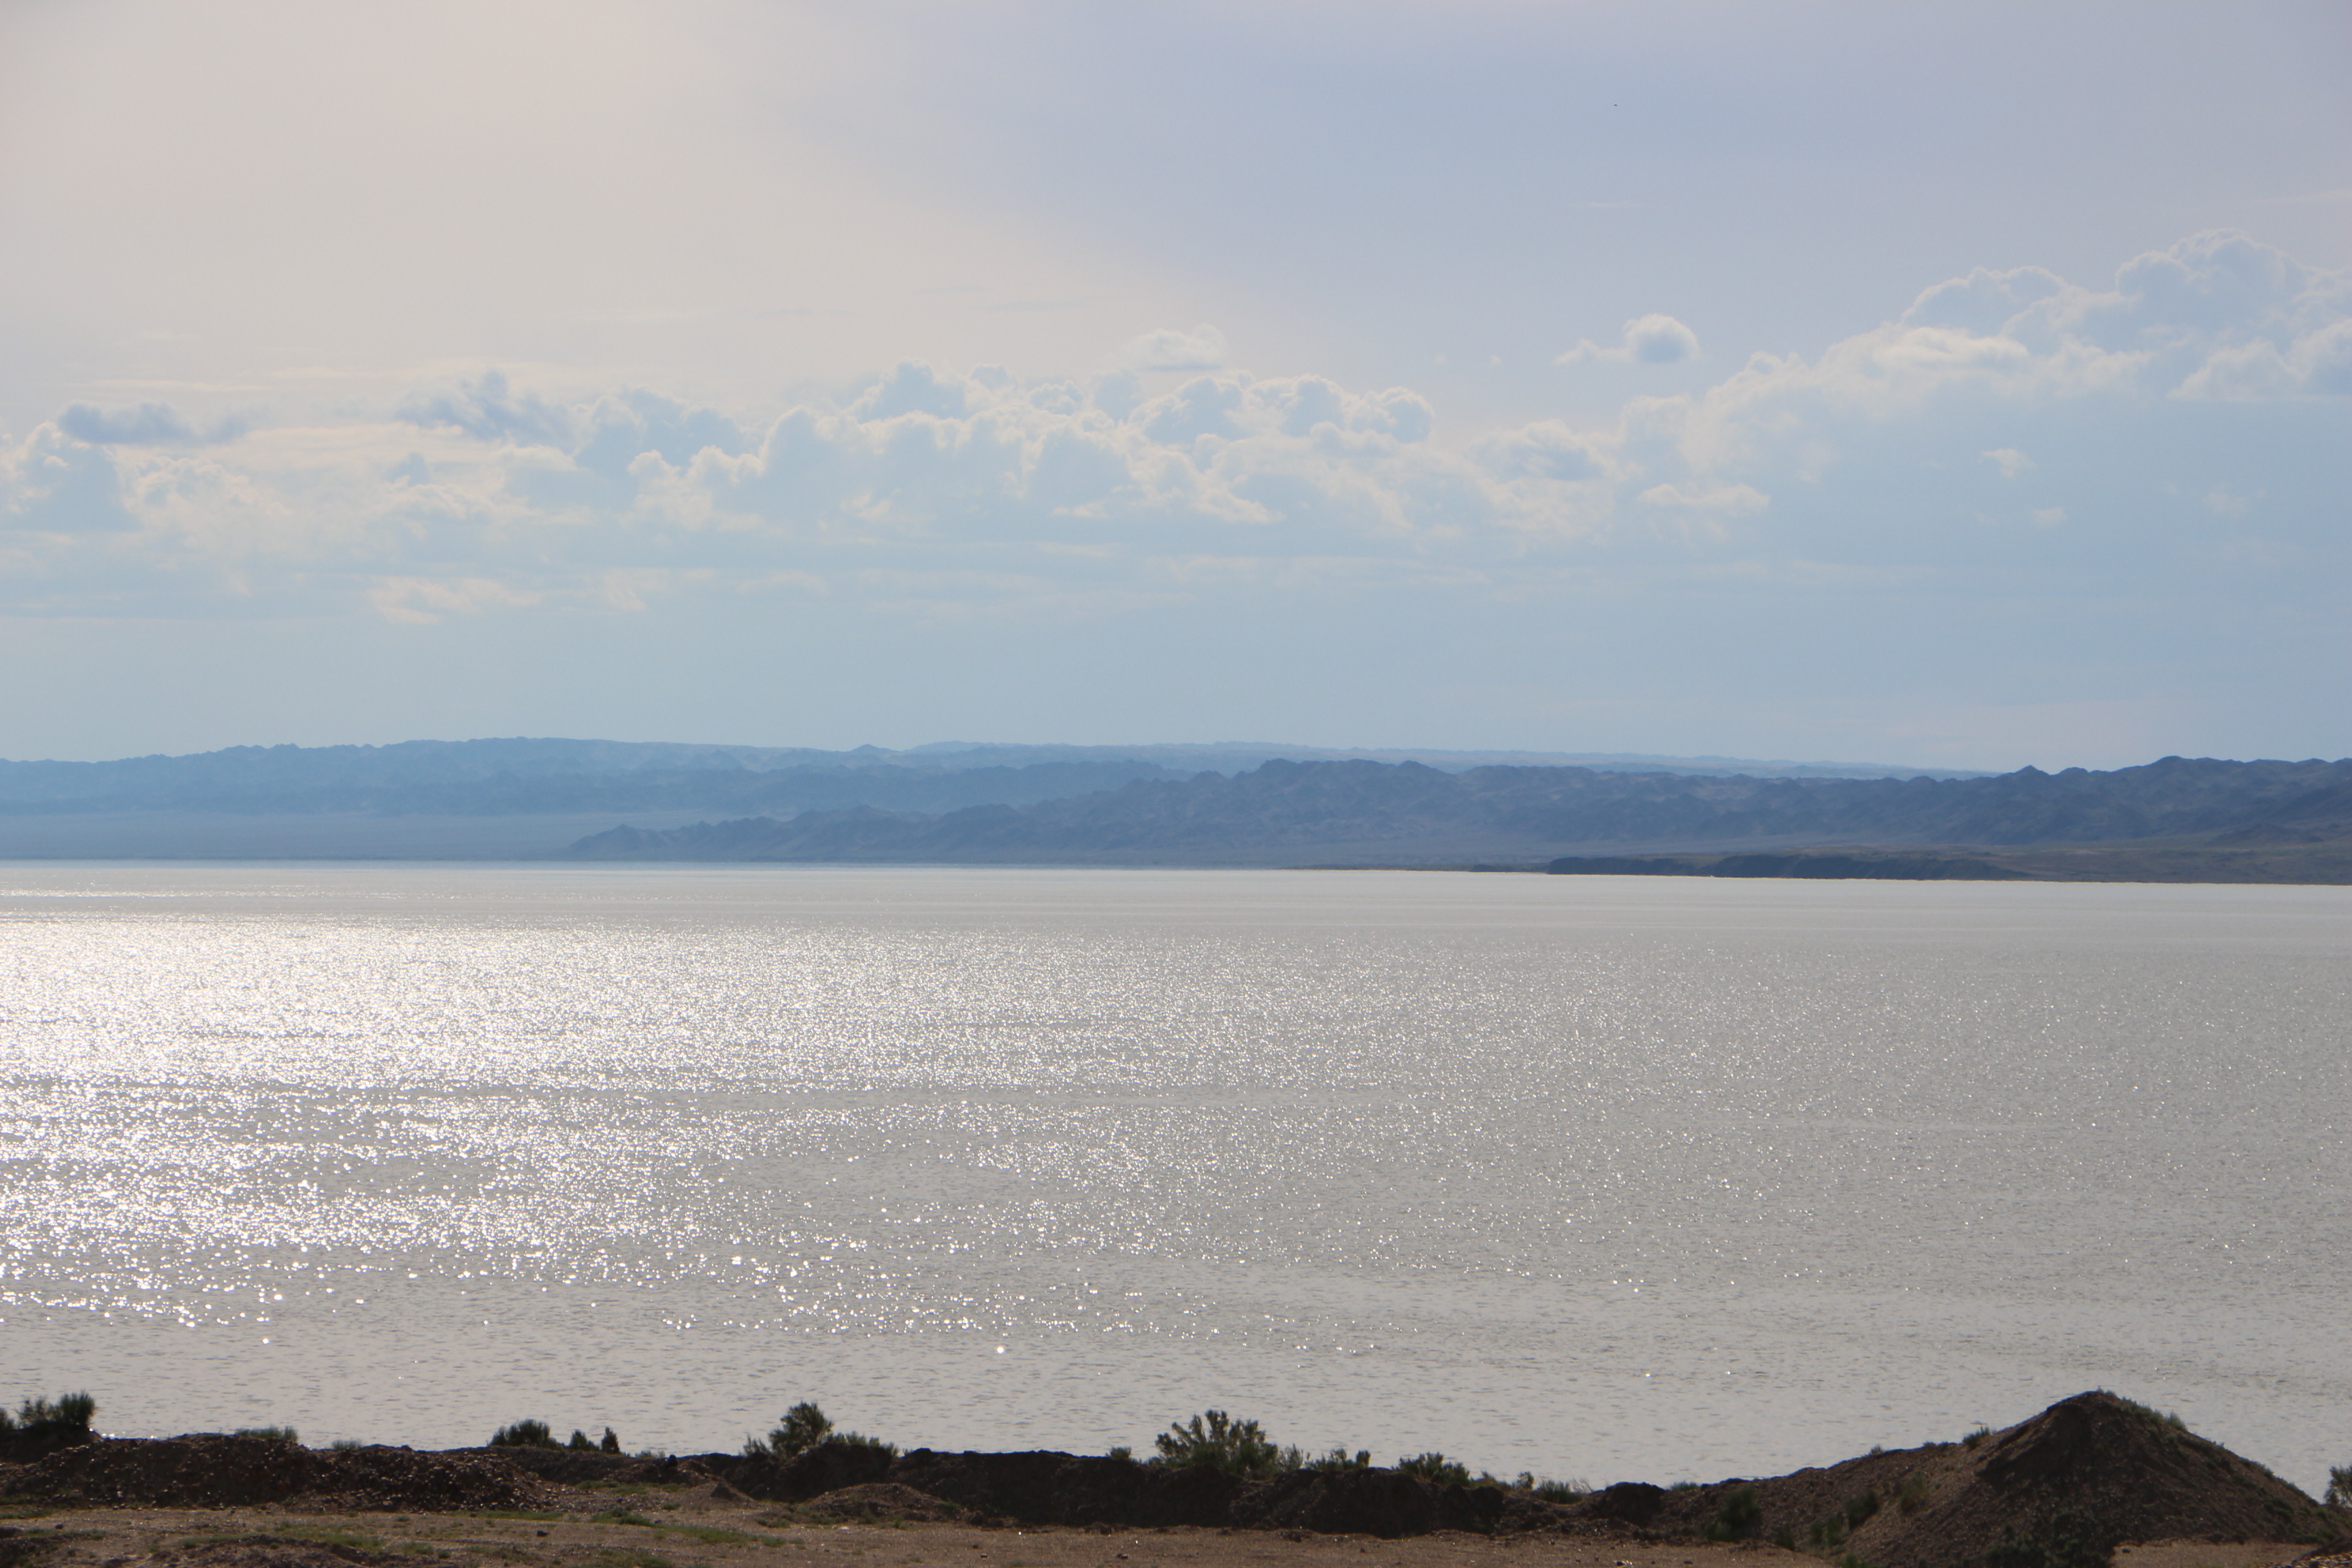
x: 1966, y: 386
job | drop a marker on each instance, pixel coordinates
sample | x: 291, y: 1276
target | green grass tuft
x: 273, y: 1434
x: 631, y: 1557
x: 709, y: 1534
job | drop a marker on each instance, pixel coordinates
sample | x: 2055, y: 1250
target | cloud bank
x: 1998, y: 399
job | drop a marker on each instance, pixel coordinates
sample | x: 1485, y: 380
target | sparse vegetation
x: 1740, y: 1517
x: 2067, y: 1539
x: 272, y: 1434
x: 611, y: 1443
x: 1573, y: 1490
x: 523, y: 1435
x: 329, y: 1536
x: 1858, y: 1509
x: 534, y: 1513
x: 1973, y: 1438
x: 41, y: 1426
x: 803, y: 1428
x: 709, y: 1534
x: 634, y: 1557
x: 1123, y: 1452
x: 1218, y: 1441
x: 69, y: 1410
x: 1437, y: 1468
x: 346, y: 1445
x: 1911, y: 1494
x: 1337, y: 1458
x: 2339, y: 1486
x: 2169, y: 1417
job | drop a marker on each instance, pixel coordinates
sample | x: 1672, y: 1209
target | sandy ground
x: 719, y: 1537
x: 2206, y: 1554
x: 699, y: 1533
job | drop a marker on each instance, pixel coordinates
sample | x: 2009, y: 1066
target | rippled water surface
x: 1590, y: 1176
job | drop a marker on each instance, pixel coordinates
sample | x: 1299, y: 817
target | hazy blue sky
x: 1962, y: 384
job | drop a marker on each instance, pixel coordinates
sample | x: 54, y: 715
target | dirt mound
x: 1046, y: 1487
x: 1627, y: 1502
x: 207, y: 1470
x: 885, y: 1499
x: 570, y: 1467
x: 830, y: 1467
x: 2065, y: 1487
x: 1386, y: 1503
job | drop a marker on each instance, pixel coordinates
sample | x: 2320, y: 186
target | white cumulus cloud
x: 2008, y: 460
x: 482, y: 495
x: 1202, y: 348
x: 1646, y: 340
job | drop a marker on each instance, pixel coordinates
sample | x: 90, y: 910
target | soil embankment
x: 210, y: 1471
x: 2085, y: 1476
x: 2065, y: 1488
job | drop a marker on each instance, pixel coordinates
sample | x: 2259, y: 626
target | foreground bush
x: 70, y: 1412
x: 1217, y: 1441
x: 524, y: 1435
x: 804, y: 1426
x: 40, y: 1426
x: 1437, y: 1468
x: 1551, y: 1491
x: 1339, y: 1459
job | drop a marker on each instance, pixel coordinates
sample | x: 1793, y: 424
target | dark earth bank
x: 2063, y: 1489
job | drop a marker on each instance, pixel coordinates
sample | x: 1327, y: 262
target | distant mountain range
x: 1407, y: 813
x: 1174, y: 805
x: 499, y: 777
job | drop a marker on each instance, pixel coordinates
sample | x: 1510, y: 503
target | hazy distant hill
x: 1174, y: 805
x: 1408, y: 813
x: 642, y: 789
x: 541, y: 776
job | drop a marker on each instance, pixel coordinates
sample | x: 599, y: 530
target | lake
x: 1610, y: 1178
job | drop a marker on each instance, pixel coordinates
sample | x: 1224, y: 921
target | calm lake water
x: 1598, y: 1177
